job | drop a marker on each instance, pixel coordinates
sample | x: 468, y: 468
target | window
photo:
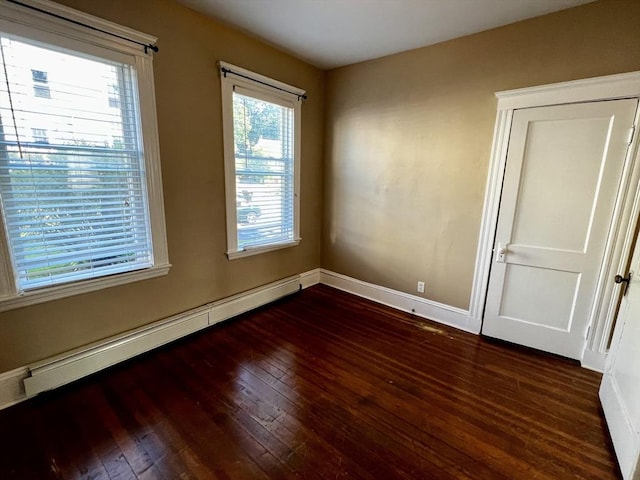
x: 39, y: 135
x: 42, y: 91
x: 262, y: 157
x: 39, y: 76
x: 79, y: 181
x: 114, y: 96
x: 40, y: 87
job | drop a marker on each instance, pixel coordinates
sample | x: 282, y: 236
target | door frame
x: 621, y: 230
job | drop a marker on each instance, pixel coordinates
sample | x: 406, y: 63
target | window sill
x: 247, y: 252
x: 61, y: 291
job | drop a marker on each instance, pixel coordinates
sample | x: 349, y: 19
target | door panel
x: 563, y: 171
x: 548, y: 300
x: 620, y: 389
x: 545, y: 198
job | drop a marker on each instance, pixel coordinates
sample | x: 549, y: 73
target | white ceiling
x: 333, y: 33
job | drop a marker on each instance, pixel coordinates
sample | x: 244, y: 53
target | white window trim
x: 256, y: 82
x: 15, y: 18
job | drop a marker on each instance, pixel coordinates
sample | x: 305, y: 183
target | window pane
x: 39, y: 76
x: 263, y: 138
x: 71, y: 169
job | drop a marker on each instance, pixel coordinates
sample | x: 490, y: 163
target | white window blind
x: 74, y: 200
x: 262, y: 157
x: 263, y: 143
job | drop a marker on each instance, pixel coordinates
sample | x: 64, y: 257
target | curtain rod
x: 147, y: 46
x: 225, y: 70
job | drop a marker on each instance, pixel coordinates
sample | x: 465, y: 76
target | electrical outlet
x: 420, y: 287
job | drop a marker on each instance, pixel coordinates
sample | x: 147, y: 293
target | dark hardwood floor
x: 320, y: 385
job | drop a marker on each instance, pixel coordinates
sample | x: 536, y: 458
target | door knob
x: 501, y: 251
x: 625, y: 280
x: 621, y: 279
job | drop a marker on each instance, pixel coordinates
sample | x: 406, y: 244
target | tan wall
x: 408, y: 141
x: 189, y: 117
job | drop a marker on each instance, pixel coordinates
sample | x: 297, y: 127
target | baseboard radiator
x: 60, y: 370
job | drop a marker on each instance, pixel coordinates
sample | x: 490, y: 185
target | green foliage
x: 254, y: 119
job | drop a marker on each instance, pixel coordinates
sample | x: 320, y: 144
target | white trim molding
x: 490, y: 215
x: 108, y: 42
x: 421, y: 307
x: 244, y: 74
x: 67, y: 367
x: 57, y: 371
x: 22, y: 383
x: 593, y: 360
x: 84, y: 286
x: 609, y: 87
x: 55, y: 18
x: 627, y: 209
x: 11, y: 387
x: 236, y: 80
x: 310, y: 278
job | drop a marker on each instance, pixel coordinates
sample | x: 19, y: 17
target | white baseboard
x: 62, y: 369
x: 438, y: 312
x: 11, y: 387
x: 593, y: 360
x: 310, y: 278
x: 245, y: 301
x: 58, y: 371
x: 22, y: 383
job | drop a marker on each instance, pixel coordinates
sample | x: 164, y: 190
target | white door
x: 563, y: 171
x: 620, y: 389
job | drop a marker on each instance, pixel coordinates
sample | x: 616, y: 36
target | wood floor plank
x: 359, y: 402
x: 320, y: 385
x: 399, y: 428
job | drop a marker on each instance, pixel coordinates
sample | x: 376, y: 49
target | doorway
x: 581, y: 298
x: 563, y: 172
